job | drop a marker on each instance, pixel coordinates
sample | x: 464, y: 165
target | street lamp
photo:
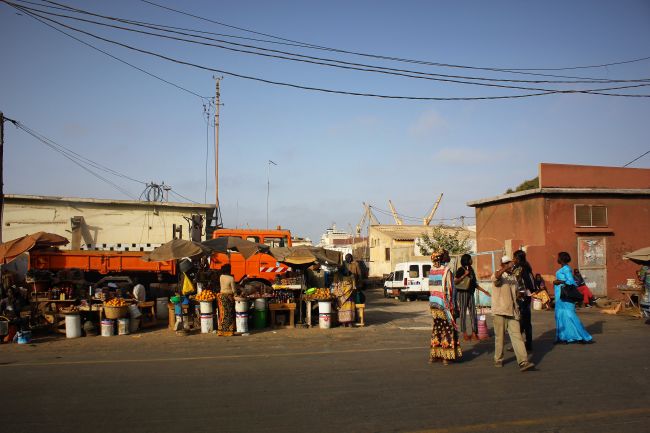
x: 268, y: 190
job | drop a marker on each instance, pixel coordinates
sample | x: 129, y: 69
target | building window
x: 387, y: 253
x: 587, y: 215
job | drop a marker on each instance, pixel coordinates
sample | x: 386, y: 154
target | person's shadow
x: 546, y: 342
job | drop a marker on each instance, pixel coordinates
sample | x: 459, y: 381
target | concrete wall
x: 104, y: 223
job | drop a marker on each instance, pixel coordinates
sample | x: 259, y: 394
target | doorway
x: 592, y: 262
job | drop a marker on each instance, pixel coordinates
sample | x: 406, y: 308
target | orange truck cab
x: 260, y: 267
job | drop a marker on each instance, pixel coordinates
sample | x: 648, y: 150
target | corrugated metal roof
x: 410, y: 232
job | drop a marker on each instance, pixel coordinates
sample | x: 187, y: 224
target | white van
x: 409, y: 280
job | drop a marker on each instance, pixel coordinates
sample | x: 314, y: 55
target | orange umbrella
x: 12, y: 249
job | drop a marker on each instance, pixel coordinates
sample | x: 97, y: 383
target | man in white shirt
x: 139, y: 292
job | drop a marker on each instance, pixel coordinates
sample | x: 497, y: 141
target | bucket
x: 207, y: 323
x: 123, y: 326
x: 537, y: 304
x: 24, y: 337
x: 325, y: 320
x: 260, y: 304
x: 206, y: 307
x: 134, y: 325
x: 72, y: 326
x: 325, y: 307
x: 241, y: 306
x: 242, y: 322
x: 161, y: 308
x: 134, y: 311
x: 108, y: 328
x: 259, y: 319
x: 483, y: 332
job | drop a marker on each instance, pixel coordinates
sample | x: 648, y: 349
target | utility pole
x: 217, y: 103
x: 2, y: 188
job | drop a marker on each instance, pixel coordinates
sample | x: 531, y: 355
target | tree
x: 527, y: 184
x: 449, y: 240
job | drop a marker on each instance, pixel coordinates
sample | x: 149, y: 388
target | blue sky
x: 333, y: 151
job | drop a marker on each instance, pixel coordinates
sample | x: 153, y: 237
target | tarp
x: 641, y: 256
x: 233, y: 243
x: 176, y: 249
x: 303, y: 255
x: 12, y: 249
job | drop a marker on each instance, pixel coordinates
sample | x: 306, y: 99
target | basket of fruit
x: 116, y: 308
x: 206, y: 296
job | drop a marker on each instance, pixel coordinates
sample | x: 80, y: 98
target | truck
x: 261, y: 267
x: 408, y: 281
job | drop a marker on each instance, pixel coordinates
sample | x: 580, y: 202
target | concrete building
x: 392, y: 244
x: 596, y: 214
x: 121, y: 225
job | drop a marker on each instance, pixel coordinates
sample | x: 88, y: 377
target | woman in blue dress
x: 569, y: 329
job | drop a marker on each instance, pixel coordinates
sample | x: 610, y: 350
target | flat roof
x: 557, y: 191
x: 411, y: 232
x: 43, y: 198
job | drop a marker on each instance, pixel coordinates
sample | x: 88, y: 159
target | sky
x: 333, y: 151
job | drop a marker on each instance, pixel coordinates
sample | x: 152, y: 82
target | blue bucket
x: 24, y: 337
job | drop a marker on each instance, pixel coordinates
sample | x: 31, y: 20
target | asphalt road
x: 374, y: 379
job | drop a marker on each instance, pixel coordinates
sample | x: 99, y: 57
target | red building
x: 596, y: 214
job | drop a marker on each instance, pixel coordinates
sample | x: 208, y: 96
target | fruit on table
x: 116, y: 302
x: 206, y: 296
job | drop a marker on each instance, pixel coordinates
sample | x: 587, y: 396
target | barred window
x: 587, y: 215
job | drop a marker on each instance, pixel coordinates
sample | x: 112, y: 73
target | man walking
x: 506, y: 315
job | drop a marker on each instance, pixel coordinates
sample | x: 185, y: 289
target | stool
x: 147, y: 308
x: 290, y: 308
x: 361, y: 308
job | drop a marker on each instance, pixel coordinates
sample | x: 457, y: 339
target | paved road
x: 374, y: 379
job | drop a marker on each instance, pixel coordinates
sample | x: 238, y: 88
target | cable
x: 283, y: 55
x: 45, y: 140
x: 308, y: 45
x: 317, y: 89
x: 129, y: 64
x: 183, y: 197
x: 637, y: 158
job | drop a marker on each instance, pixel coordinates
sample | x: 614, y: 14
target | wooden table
x: 628, y: 293
x: 50, y: 309
x: 289, y: 307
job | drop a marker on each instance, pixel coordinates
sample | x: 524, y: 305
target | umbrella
x: 233, y: 243
x: 303, y: 255
x: 12, y: 249
x: 176, y: 249
x: 641, y: 256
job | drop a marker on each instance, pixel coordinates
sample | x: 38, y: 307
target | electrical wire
x: 308, y: 45
x: 74, y: 160
x: 637, y: 158
x: 183, y: 197
x: 317, y: 89
x: 284, y: 55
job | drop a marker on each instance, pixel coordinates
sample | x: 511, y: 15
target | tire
x: 402, y: 297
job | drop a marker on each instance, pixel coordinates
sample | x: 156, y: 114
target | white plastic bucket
x: 324, y: 307
x: 241, y: 306
x: 324, y: 320
x: 134, y: 325
x: 241, y: 322
x: 207, y: 323
x: 537, y: 304
x: 260, y: 304
x: 206, y: 307
x: 134, y: 311
x: 72, y: 326
x: 123, y: 326
x: 108, y: 328
x: 161, y: 308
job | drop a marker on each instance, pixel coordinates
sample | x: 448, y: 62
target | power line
x: 308, y: 45
x: 183, y: 197
x: 284, y: 55
x: 637, y: 158
x: 318, y: 89
x: 74, y: 160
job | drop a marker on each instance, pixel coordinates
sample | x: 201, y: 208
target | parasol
x: 641, y: 257
x: 303, y: 255
x: 233, y: 243
x: 176, y: 249
x: 12, y: 249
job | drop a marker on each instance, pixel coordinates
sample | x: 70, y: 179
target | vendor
x: 315, y: 276
x: 139, y: 292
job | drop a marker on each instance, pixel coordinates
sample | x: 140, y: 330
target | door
x: 592, y: 262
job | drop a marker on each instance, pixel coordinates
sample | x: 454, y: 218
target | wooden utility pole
x: 2, y: 188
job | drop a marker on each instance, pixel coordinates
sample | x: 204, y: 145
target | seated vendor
x: 315, y: 276
x: 139, y: 293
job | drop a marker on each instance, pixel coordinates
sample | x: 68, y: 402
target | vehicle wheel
x: 402, y: 297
